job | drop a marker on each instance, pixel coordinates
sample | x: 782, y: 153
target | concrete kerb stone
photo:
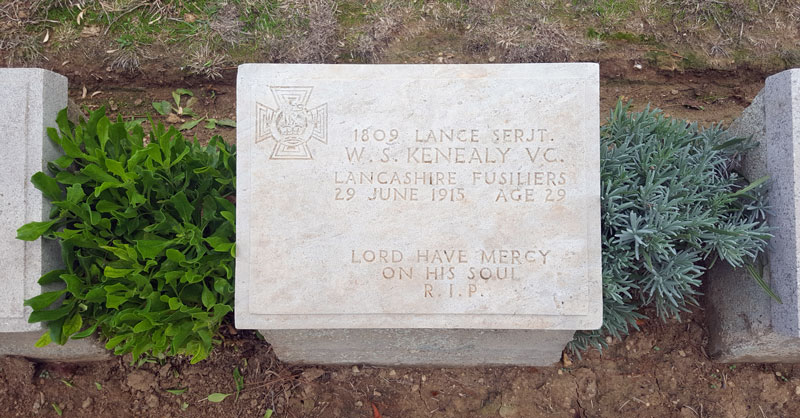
x: 29, y: 105
x: 746, y: 324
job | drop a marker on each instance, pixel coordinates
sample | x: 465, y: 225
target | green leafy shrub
x: 671, y: 206
x: 147, y: 238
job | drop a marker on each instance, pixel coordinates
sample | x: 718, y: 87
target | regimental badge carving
x: 292, y: 125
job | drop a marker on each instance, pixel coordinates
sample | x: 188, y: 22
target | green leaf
x: 33, y: 230
x: 102, y: 131
x: 51, y: 276
x: 98, y: 386
x: 183, y: 206
x: 97, y: 174
x: 85, y: 333
x: 47, y: 185
x: 51, y: 315
x: 177, y: 391
x: 115, y: 167
x: 268, y: 414
x: 163, y: 107
x: 151, y: 248
x: 113, y: 301
x: 238, y: 380
x: 65, y: 177
x: 219, y: 244
x: 72, y: 325
x: 208, y: 298
x: 143, y: 326
x: 757, y: 276
x: 217, y: 397
x: 226, y: 122
x: 212, y: 123
x: 106, y: 206
x: 44, y: 300
x: 114, y: 273
x: 57, y: 409
x: 43, y: 341
x: 63, y: 161
x: 175, y: 255
x: 751, y: 186
x: 190, y: 124
x: 184, y: 92
x: 229, y: 216
x: 75, y: 194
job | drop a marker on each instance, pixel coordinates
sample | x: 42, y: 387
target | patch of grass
x: 609, y: 12
x: 352, y: 13
x: 694, y: 61
x: 621, y: 36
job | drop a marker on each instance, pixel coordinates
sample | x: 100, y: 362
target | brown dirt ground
x: 658, y: 372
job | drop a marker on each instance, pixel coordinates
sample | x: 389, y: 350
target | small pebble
x: 359, y: 404
x: 86, y: 403
x: 797, y: 390
x: 137, y: 102
x: 424, y: 378
x: 492, y: 59
x: 414, y: 387
x: 392, y: 373
x: 681, y: 353
x: 355, y: 369
x: 376, y: 394
x: 637, y: 66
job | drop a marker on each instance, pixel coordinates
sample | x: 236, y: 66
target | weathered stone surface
x: 745, y: 323
x: 29, y: 104
x: 418, y: 196
x: 22, y: 344
x: 398, y: 347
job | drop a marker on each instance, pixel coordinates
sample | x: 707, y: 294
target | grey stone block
x: 29, y: 104
x: 745, y: 323
x: 419, y: 347
x: 22, y: 344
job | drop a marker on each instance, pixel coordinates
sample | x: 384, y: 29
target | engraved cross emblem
x: 292, y: 125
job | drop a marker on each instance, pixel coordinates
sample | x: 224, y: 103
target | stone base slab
x: 419, y: 347
x: 22, y: 344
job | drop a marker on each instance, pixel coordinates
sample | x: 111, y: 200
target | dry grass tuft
x: 383, y: 27
x: 65, y: 36
x: 311, y: 32
x: 226, y: 24
x: 207, y: 63
x: 20, y: 49
x: 519, y: 36
x: 127, y: 59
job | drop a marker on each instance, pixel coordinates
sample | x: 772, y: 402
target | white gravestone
x: 391, y: 198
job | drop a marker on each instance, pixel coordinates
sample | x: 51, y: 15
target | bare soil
x: 661, y: 371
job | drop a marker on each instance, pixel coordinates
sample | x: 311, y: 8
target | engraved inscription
x: 433, y: 200
x: 292, y: 125
x: 372, y: 150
